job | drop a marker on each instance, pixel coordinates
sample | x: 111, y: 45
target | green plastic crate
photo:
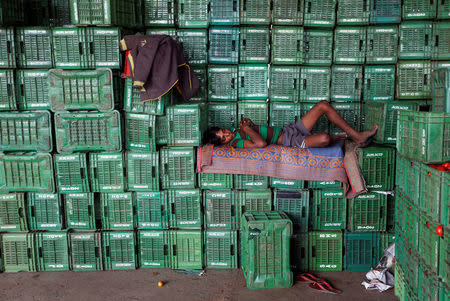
x: 71, y: 173
x: 286, y: 184
x: 282, y: 113
x: 385, y: 11
x: 440, y: 90
x: 201, y: 96
x: 52, y: 251
x: 287, y: 45
x: 224, y: 12
x: 221, y: 249
x: 379, y: 83
x: 159, y: 13
x: 255, y: 12
x: 399, y: 282
x: 424, y: 136
x: 254, y: 200
x: 70, y: 50
x: 295, y: 203
x: 415, y: 40
x: 140, y: 131
x: 257, y: 111
x: 353, y: 12
x: 410, y: 223
x: 408, y: 177
x: 352, y: 114
x: 215, y: 181
x: 346, y: 83
x: 287, y: 12
x: 284, y: 83
x: 79, y: 211
x: 44, y: 211
x: 265, y: 249
x: 142, y: 171
x: 254, y: 45
x: 177, y: 167
x: 26, y: 131
x: 361, y: 251
x: 153, y: 248
x: 441, y: 33
x: 222, y: 83
x: 367, y: 213
x: 118, y: 250
x: 33, y: 47
x: 133, y: 103
x: 152, y: 211
x: 18, y: 252
x: 117, y: 211
x: 161, y: 130
x: 186, y: 124
x: 299, y: 252
x: 222, y: 115
x: 252, y: 82
x: 325, y: 250
x: 13, y: 213
x: 322, y: 125
x: 250, y: 182
x: 418, y: 9
x: 382, y: 45
x: 88, y: 131
x: 315, y: 84
x: 223, y: 45
x: 323, y: 184
x: 320, y: 13
x: 59, y: 12
x: 106, y: 172
x: 349, y: 45
x: 444, y: 257
x: 386, y: 239
x: 429, y: 240
x: 12, y: 12
x: 185, y: 208
x: 378, y: 166
x: 170, y: 31
x: 434, y: 192
x: 8, y: 99
x: 8, y: 51
x: 107, y: 12
x: 81, y: 90
x: 186, y: 250
x: 413, y: 80
x: 85, y: 251
x: 318, y: 47
x: 429, y: 285
x: 104, y: 47
x: 32, y: 89
x: 443, y: 10
x: 193, y: 14
x: 26, y: 172
x: 221, y: 209
x: 194, y: 42
x: 329, y: 209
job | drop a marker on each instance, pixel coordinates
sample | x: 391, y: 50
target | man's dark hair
x: 210, y: 136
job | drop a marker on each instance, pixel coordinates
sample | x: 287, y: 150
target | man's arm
x: 256, y: 140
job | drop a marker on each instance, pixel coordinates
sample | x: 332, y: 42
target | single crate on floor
x: 361, y: 251
x: 221, y: 249
x: 325, y: 251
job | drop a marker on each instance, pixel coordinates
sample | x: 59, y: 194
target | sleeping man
x: 296, y: 134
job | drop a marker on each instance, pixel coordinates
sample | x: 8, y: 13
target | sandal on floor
x: 325, y: 287
x: 307, y: 277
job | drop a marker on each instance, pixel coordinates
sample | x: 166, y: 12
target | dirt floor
x: 142, y: 285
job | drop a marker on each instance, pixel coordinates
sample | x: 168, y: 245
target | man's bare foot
x: 364, y: 136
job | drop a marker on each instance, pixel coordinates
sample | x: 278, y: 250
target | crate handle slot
x: 166, y: 250
x: 40, y: 251
x: 174, y: 250
x: 242, y: 82
x: 426, y: 40
x: 295, y: 83
x: 29, y: 252
x: 172, y: 207
x: 97, y: 251
x: 356, y: 83
x: 364, y: 5
x: 9, y: 87
x: 166, y: 166
x: 245, y: 5
x: 232, y: 250
x: 20, y: 212
x: 371, y: 44
x: 8, y: 44
x: 303, y: 211
x: 182, y: 8
x: 313, y: 251
x: 80, y: 48
x: 108, y: 251
x: 298, y: 45
x: 89, y: 210
x: 361, y: 42
x: 302, y: 252
x: 232, y: 83
x: 431, y: 2
x: 309, y: 7
x: 368, y: 84
x: 436, y: 44
x: 95, y: 172
x: 82, y: 172
x: 233, y: 45
x: 33, y: 211
x: 306, y: 46
x: 171, y: 126
x: 150, y: 132
x: 22, y: 47
x: 105, y: 211
x: 299, y: 4
x: 162, y: 209
x: 91, y: 47
x: 169, y: 6
x: 374, y: 5
x: 235, y: 5
x: 153, y: 170
x: 304, y: 84
x: 318, y: 210
x: 233, y: 210
x: 134, y: 210
x: 425, y: 79
x: 381, y: 211
x: 244, y: 44
x: 22, y: 90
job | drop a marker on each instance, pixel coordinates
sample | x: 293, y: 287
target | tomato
x: 439, y: 230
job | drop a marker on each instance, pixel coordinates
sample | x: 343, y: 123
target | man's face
x: 225, y: 135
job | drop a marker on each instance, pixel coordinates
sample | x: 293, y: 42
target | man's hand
x: 245, y: 122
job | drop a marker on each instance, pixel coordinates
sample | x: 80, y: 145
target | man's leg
x: 323, y: 107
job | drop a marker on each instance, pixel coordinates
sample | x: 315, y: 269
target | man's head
x: 217, y: 136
